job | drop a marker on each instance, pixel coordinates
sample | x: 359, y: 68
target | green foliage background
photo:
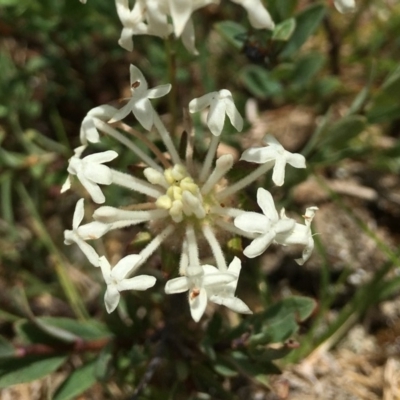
x: 59, y: 59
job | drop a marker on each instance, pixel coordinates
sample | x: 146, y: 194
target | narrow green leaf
x: 260, y: 82
x: 306, y: 23
x: 21, y: 370
x: 341, y: 132
x: 6, y: 348
x: 77, y: 382
x: 284, y: 30
x: 233, y: 32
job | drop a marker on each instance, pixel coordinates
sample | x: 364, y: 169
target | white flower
x: 117, y: 282
x: 274, y: 152
x: 198, y: 281
x: 225, y: 294
x: 259, y: 17
x: 268, y: 225
x: 221, y: 104
x: 345, y: 6
x: 79, y: 234
x: 91, y: 172
x: 139, y: 104
x: 300, y: 234
x: 88, y: 132
x: 132, y: 22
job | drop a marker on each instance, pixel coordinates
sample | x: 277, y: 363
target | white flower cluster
x: 187, y: 200
x: 152, y: 17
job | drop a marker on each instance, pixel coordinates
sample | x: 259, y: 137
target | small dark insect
x: 262, y: 51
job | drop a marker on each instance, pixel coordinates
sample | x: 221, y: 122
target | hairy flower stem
x: 155, y: 244
x: 209, y: 158
x: 136, y: 184
x: 215, y: 248
x: 193, y: 250
x: 107, y: 129
x: 166, y: 138
x: 172, y: 98
x: 246, y: 181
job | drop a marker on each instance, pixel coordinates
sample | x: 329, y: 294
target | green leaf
x: 300, y: 306
x: 233, y: 32
x: 77, y: 382
x: 104, y: 362
x: 341, y: 132
x: 386, y: 104
x: 306, y: 24
x: 284, y: 30
x: 306, y: 68
x: 260, y: 82
x: 6, y: 348
x: 224, y: 368
x: 29, y: 368
x: 65, y: 329
x: 281, y: 328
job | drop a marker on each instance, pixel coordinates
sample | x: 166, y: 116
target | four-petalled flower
x: 117, y: 281
x: 221, y: 104
x: 198, y: 281
x: 139, y: 104
x: 274, y: 152
x: 267, y: 226
x: 90, y: 231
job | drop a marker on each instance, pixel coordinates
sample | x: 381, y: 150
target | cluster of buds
x: 191, y: 206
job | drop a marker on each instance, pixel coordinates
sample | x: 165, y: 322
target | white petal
x: 93, y: 230
x: 233, y: 303
x: 100, y: 158
x: 180, y: 13
x: 271, y: 140
x: 284, y: 225
x: 216, y: 117
x: 259, y: 155
x: 105, y: 269
x: 234, y: 115
x: 306, y: 252
x: 258, y: 16
x: 177, y: 285
x: 202, y: 102
x: 278, y: 175
x: 217, y: 279
x: 89, y: 252
x: 267, y: 205
x: 188, y: 38
x: 252, y: 222
x: 111, y: 298
x: 198, y: 305
x: 95, y: 192
x: 259, y: 245
x: 67, y: 184
x: 88, y: 131
x: 126, y: 42
x: 98, y: 173
x: 299, y: 235
x: 157, y: 20
x: 143, y: 111
x: 124, y: 111
x: 137, y: 77
x: 159, y: 91
x: 141, y: 282
x: 345, y: 6
x: 125, y: 266
x: 78, y: 214
x: 296, y: 160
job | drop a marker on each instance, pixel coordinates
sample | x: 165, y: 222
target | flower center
x: 183, y: 197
